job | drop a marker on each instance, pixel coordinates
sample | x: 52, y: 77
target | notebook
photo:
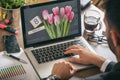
x: 48, y: 29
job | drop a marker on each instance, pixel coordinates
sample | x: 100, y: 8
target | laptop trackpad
x: 45, y: 69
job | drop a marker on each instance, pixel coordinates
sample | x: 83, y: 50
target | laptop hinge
x: 38, y: 45
x: 77, y: 37
x: 29, y: 48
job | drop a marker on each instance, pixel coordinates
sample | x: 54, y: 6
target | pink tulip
x: 68, y: 10
x: 45, y: 14
x: 56, y: 19
x: 71, y: 16
x: 65, y: 17
x: 50, y: 19
x: 55, y: 11
x: 62, y: 11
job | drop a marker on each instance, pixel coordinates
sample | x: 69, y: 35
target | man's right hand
x: 85, y: 56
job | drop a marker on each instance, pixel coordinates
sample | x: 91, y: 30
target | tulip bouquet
x: 58, y: 22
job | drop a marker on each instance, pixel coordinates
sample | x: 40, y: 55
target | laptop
x: 48, y: 32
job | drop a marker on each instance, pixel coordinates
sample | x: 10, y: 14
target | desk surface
x: 98, y: 48
x: 15, y: 25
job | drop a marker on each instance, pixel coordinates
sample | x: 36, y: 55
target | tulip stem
x: 58, y: 30
x: 65, y: 27
x: 48, y: 30
x: 68, y: 29
x: 61, y: 25
x: 52, y: 30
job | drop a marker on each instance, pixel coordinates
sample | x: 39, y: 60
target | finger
x: 73, y: 47
x: 75, y: 60
x: 71, y: 66
x: 61, y: 62
x: 74, y: 51
x: 55, y: 66
x: 58, y: 66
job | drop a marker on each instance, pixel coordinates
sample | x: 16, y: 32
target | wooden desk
x: 16, y: 25
x: 82, y: 73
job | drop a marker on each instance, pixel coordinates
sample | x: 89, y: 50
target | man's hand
x: 63, y: 70
x: 85, y: 56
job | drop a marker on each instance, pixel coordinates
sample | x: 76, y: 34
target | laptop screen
x: 51, y: 21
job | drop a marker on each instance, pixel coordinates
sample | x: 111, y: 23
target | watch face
x: 53, y: 77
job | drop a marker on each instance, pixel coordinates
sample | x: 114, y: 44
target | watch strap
x: 52, y: 77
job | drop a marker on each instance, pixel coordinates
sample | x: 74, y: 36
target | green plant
x: 11, y: 4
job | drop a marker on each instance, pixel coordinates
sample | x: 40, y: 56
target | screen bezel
x: 53, y: 40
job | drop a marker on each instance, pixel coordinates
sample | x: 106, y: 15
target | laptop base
x: 45, y: 69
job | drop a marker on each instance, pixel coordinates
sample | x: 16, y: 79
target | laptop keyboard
x: 54, y: 52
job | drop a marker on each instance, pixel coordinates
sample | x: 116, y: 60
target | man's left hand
x: 63, y: 70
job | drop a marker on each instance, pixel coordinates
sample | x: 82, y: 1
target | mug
x: 92, y: 21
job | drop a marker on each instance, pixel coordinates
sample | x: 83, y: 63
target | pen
x: 18, y: 59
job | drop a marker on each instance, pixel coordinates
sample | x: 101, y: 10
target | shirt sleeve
x: 104, y: 65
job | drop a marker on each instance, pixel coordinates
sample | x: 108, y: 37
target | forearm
x: 98, y: 61
x: 106, y: 65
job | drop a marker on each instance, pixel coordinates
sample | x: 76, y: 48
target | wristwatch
x: 52, y: 77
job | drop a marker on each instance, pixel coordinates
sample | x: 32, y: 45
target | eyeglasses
x: 97, y: 39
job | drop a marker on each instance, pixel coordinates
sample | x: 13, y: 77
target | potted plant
x: 11, y: 4
x: 9, y: 10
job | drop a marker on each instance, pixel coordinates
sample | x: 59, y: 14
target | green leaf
x: 11, y: 4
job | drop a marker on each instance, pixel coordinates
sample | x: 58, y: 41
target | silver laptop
x: 48, y: 29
